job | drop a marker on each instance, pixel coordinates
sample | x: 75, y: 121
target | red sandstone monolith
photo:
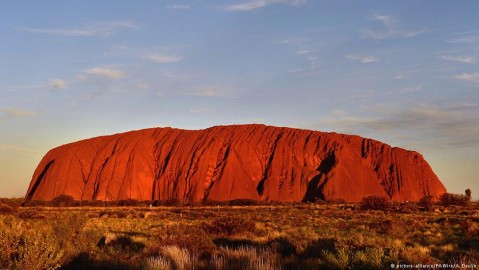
x: 221, y: 163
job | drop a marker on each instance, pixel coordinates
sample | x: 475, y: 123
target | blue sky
x: 403, y: 72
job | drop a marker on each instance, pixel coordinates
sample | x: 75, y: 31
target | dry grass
x: 286, y: 236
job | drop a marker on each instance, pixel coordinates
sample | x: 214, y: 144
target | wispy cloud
x: 454, y: 125
x: 467, y: 37
x: 411, y: 89
x: 106, y: 72
x: 199, y: 110
x: 164, y: 58
x: 12, y: 112
x: 392, y: 29
x: 256, y: 4
x: 15, y: 148
x: 57, y: 83
x: 365, y: 59
x: 303, y: 51
x: 461, y: 59
x: 469, y: 77
x: 104, y: 29
x: 178, y: 6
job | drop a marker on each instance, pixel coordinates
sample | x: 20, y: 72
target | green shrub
x: 374, y: 202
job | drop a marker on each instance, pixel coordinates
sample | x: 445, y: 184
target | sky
x: 402, y: 72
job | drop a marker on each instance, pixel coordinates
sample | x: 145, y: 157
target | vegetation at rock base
x: 132, y: 235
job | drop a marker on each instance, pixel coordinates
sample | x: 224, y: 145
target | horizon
x: 390, y: 71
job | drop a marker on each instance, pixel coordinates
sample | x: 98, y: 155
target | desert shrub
x: 63, y: 200
x: 97, y: 203
x: 374, y: 202
x: 337, y: 201
x: 6, y: 209
x: 244, y: 257
x: 168, y: 202
x: 244, y: 202
x: 128, y: 202
x: 369, y: 258
x: 74, y: 238
x: 282, y: 245
x: 34, y: 203
x: 30, y: 214
x: 157, y: 263
x: 427, y: 202
x: 448, y: 199
x: 181, y: 258
x: 27, y: 248
x: 123, y: 244
x: 407, y: 207
x: 12, y: 202
x: 37, y: 251
x: 227, y: 225
x: 190, y: 237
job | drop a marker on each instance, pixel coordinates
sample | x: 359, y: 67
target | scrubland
x: 275, y: 236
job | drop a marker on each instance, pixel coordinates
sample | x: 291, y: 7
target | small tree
x: 427, y: 202
x: 63, y: 200
x: 468, y: 193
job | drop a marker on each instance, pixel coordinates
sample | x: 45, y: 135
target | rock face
x: 232, y: 162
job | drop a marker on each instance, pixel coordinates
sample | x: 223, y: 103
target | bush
x: 374, y: 202
x: 12, y: 202
x: 6, y: 209
x: 192, y: 238
x: 427, y: 202
x: 63, y: 200
x: 230, y: 225
x: 448, y: 199
x: 30, y: 214
x: 34, y: 203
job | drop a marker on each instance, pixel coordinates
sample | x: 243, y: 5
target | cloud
x: 469, y: 77
x: 303, y: 51
x: 12, y: 112
x: 14, y: 148
x: 106, y: 72
x: 207, y: 91
x: 164, y: 58
x: 256, y: 4
x: 104, y: 29
x: 455, y: 125
x: 392, y: 29
x: 178, y: 6
x: 412, y: 89
x: 199, y: 110
x: 365, y: 59
x: 141, y: 85
x: 461, y: 59
x: 399, y: 77
x: 57, y: 83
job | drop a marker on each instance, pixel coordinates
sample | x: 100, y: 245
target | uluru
x: 222, y: 163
